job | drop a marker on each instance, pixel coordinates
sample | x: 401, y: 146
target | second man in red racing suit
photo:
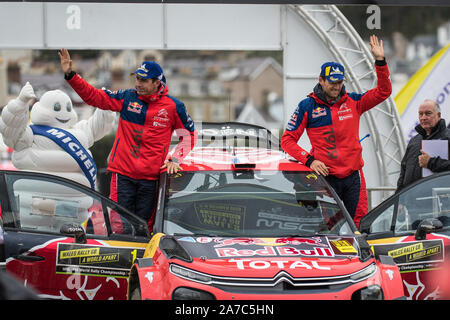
x: 331, y: 118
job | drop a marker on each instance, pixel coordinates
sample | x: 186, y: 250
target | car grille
x: 282, y: 282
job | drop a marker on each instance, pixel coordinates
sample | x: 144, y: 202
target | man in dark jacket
x: 430, y: 127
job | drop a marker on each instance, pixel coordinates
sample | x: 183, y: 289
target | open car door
x: 413, y: 227
x: 65, y: 240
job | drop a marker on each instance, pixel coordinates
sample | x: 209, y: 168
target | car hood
x: 265, y: 257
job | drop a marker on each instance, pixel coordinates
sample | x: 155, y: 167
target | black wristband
x: 175, y: 160
x: 309, y: 161
x: 70, y: 75
x: 380, y: 63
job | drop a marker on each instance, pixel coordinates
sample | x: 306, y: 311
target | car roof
x: 240, y: 158
x: 236, y: 146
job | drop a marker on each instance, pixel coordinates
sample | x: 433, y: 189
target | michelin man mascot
x: 55, y: 142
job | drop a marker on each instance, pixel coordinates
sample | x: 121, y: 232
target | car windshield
x: 251, y: 203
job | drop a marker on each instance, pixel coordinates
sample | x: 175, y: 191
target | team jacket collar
x: 163, y: 91
x: 440, y: 126
x: 320, y: 98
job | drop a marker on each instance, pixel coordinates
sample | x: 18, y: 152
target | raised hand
x: 66, y: 62
x: 377, y: 47
x: 27, y: 93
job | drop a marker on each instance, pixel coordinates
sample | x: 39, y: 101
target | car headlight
x: 189, y: 274
x: 364, y: 273
x: 183, y: 293
x: 373, y: 292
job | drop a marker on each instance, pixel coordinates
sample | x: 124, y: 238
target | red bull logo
x: 134, y: 107
x: 269, y: 251
x: 318, y: 112
x: 268, y: 241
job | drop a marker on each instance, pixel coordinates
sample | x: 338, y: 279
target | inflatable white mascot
x: 55, y: 142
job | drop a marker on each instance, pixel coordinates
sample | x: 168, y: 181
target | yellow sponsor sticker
x: 113, y: 257
x: 406, y: 250
x: 424, y: 253
x: 344, y: 246
x: 77, y: 253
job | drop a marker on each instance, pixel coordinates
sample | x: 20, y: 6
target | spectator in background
x: 430, y: 127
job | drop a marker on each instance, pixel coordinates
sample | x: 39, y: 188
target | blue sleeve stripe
x: 187, y: 121
x: 117, y: 95
x: 297, y: 117
x: 356, y: 96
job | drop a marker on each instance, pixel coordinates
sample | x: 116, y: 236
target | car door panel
x: 417, y: 262
x: 53, y: 263
x: 392, y: 227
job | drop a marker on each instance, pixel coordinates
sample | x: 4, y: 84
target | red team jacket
x: 145, y: 128
x: 333, y: 130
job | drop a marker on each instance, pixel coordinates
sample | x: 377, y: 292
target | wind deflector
x: 235, y: 134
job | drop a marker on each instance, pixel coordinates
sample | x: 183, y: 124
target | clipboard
x: 435, y: 148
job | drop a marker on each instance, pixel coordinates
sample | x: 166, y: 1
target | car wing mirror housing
x: 74, y: 230
x: 427, y: 226
x: 364, y: 247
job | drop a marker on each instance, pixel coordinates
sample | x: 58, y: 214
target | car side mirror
x: 75, y: 230
x: 427, y: 226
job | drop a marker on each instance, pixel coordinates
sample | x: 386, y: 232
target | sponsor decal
x: 95, y: 260
x: 134, y: 107
x: 293, y: 120
x: 344, y: 112
x: 275, y: 251
x: 163, y: 113
x: 156, y: 118
x: 390, y: 274
x: 149, y: 276
x: 335, y: 70
x: 436, y: 250
x: 262, y: 264
x: 77, y: 253
x: 161, y: 118
x: 344, y: 246
x: 311, y: 176
x: 70, y: 144
x: 269, y: 220
x: 318, y: 112
x: 158, y: 124
x: 330, y: 139
x: 137, y: 141
x: 343, y: 109
x: 269, y: 241
x: 220, y: 215
x: 414, y: 256
x: 187, y: 239
x: 204, y: 239
x: 348, y: 116
x: 406, y: 250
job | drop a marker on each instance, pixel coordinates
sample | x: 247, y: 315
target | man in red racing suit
x: 148, y: 118
x: 331, y: 118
